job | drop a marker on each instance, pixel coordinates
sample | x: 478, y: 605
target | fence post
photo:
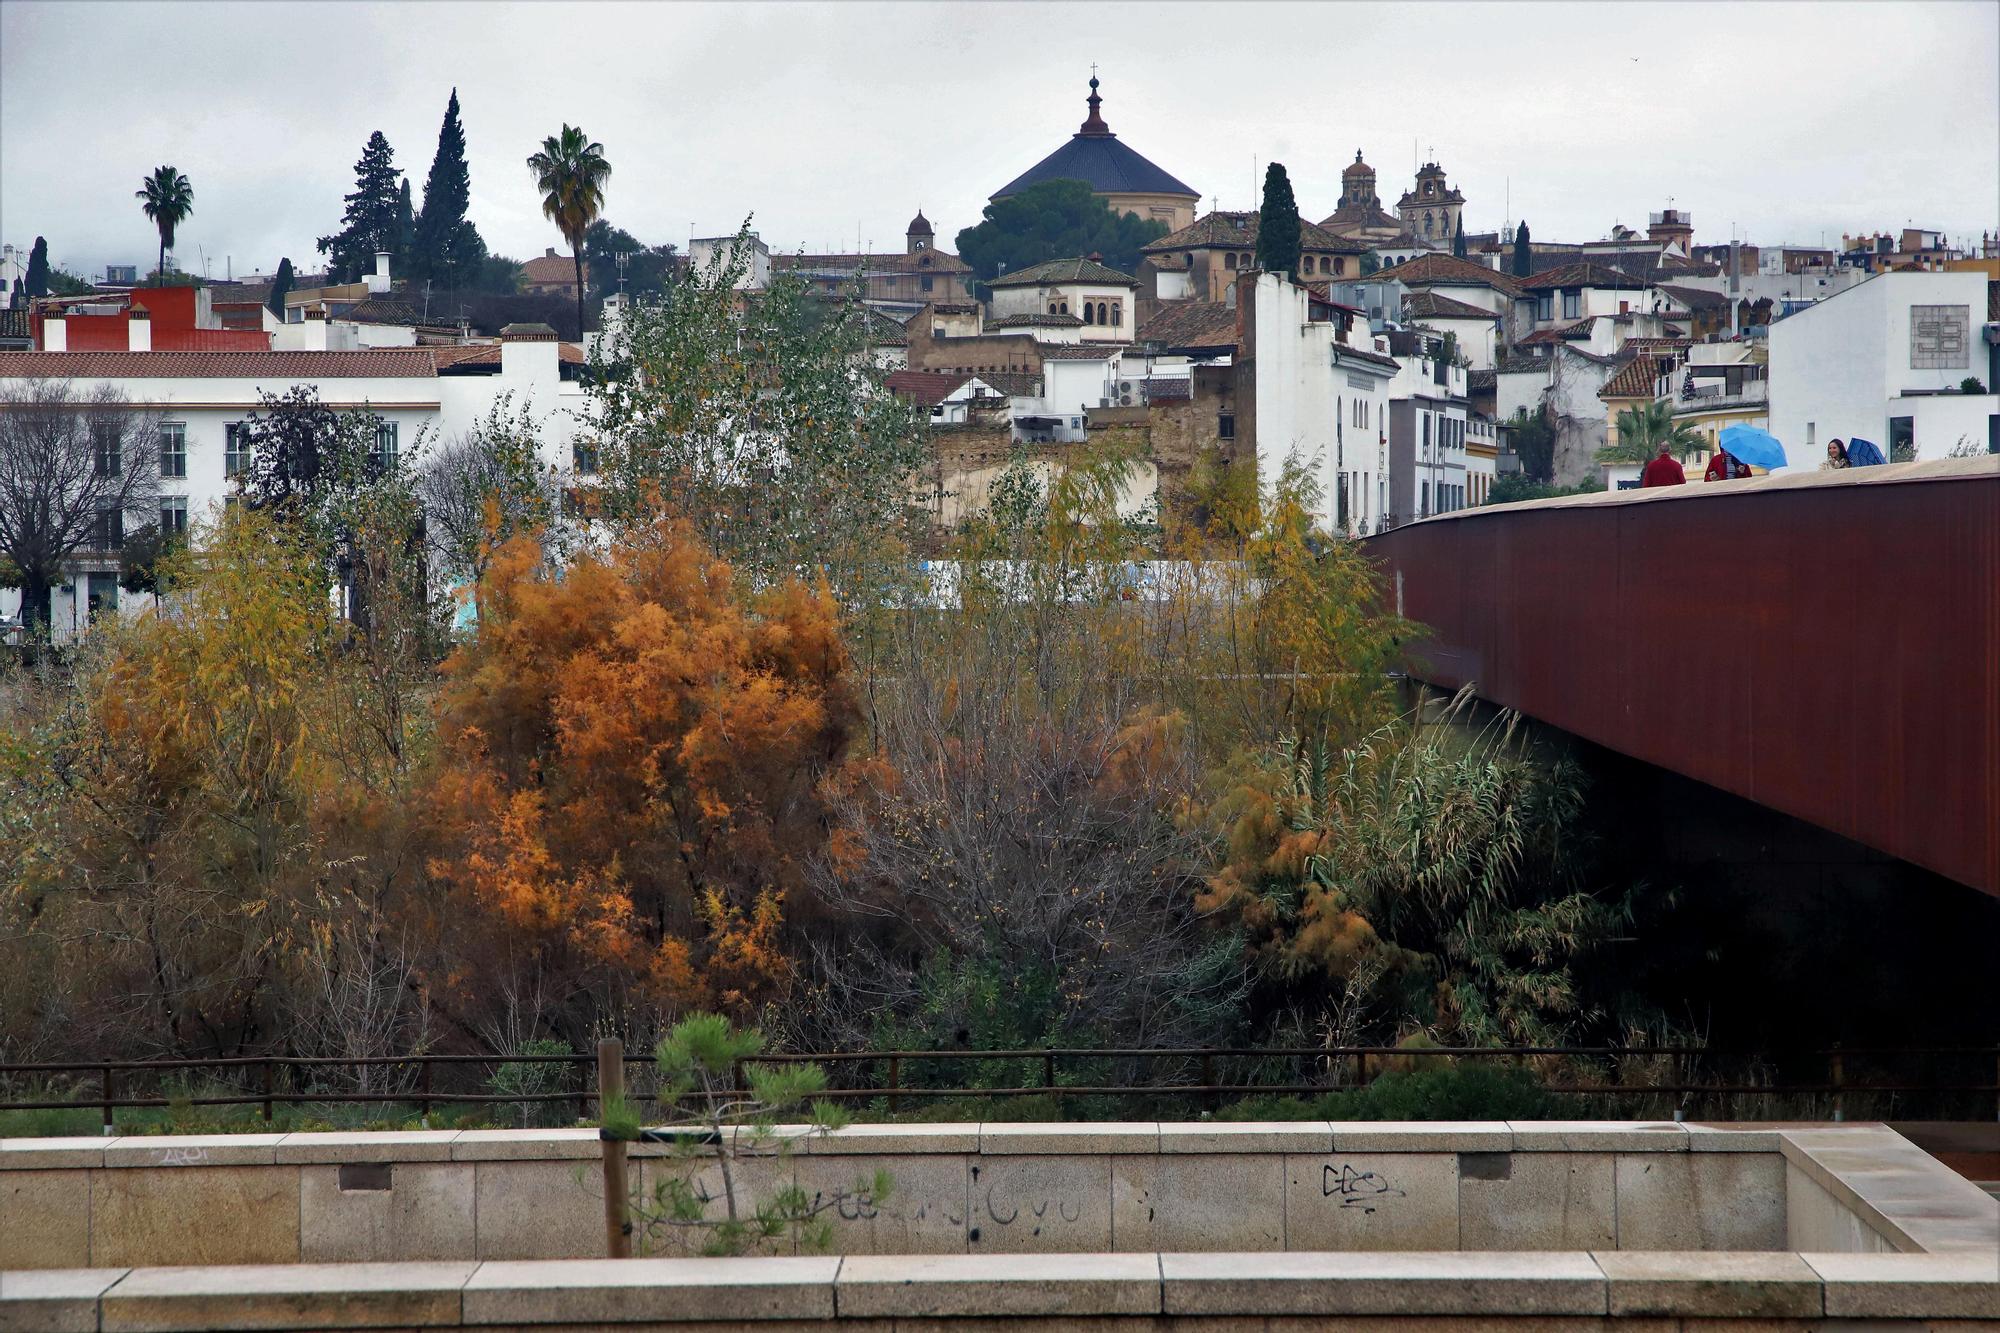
x: 268, y: 1084
x: 1361, y: 1069
x: 1211, y: 1098
x: 611, y: 1087
x: 583, y: 1087
x: 895, y: 1081
x: 105, y: 1084
x: 1837, y: 1070
x: 424, y: 1089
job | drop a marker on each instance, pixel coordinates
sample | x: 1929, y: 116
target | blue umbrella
x: 1863, y: 453
x: 1758, y: 448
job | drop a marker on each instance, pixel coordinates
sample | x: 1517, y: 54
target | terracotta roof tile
x: 1430, y: 305
x: 927, y: 387
x: 1223, y: 228
x: 1191, y: 324
x: 1083, y: 351
x: 1174, y: 389
x: 888, y: 261
x: 1442, y: 270
x: 1035, y: 320
x: 1637, y: 379
x: 1584, y: 273
x: 375, y: 363
x: 1064, y: 270
x: 557, y: 269
x: 1695, y: 298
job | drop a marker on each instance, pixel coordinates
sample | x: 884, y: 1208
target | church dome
x: 1096, y: 157
x: 1358, y: 167
x: 919, y: 225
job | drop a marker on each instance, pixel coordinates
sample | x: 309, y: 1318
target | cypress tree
x: 1278, y: 224
x: 406, y: 227
x: 17, y: 298
x: 370, y: 222
x: 280, y: 287
x: 1521, y: 265
x: 447, y: 247
x: 1458, y: 239
x: 38, y: 268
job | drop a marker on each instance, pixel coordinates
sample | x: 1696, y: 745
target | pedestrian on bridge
x: 1663, y: 470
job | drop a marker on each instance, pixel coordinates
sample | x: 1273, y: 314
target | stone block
x: 422, y: 1145
x: 52, y: 1153
x: 56, y: 1300
x: 1452, y: 1136
x: 924, y: 1212
x: 1909, y: 1286
x: 750, y: 1182
x: 1179, y: 1201
x: 999, y: 1285
x: 538, y: 1210
x: 526, y: 1145
x: 1281, y: 1136
x: 425, y: 1214
x: 289, y: 1296
x: 1087, y: 1137
x: 1702, y: 1284
x: 1598, y: 1136
x: 193, y: 1150
x: 1538, y: 1201
x: 204, y: 1215
x: 1701, y: 1201
x: 45, y: 1219
x: 1731, y: 1136
x: 958, y: 1137
x: 1816, y: 1220
x: 1337, y: 1284
x: 1372, y: 1201
x: 638, y: 1290
x: 1031, y: 1204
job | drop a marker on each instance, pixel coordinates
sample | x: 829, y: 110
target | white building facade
x: 1887, y: 360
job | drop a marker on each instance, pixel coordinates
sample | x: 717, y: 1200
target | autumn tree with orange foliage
x: 628, y: 790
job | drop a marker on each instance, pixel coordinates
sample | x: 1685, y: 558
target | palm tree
x: 1643, y: 429
x: 570, y: 171
x: 167, y: 198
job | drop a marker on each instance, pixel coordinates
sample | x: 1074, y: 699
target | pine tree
x: 17, y: 299
x: 1458, y: 239
x: 280, y: 286
x: 1278, y: 224
x: 448, y: 248
x: 38, y: 268
x: 370, y: 222
x: 1521, y: 267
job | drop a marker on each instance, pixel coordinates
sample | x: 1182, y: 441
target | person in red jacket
x: 1725, y: 466
x: 1663, y: 471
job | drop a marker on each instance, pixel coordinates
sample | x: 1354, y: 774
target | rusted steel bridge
x: 1824, y: 644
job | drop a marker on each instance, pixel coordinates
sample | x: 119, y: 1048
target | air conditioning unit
x: 1124, y: 386
x: 1125, y: 400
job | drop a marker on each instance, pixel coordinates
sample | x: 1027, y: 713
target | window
x: 1225, y: 425
x: 1065, y: 308
x: 1229, y: 259
x: 583, y: 457
x: 1102, y: 311
x: 110, y: 449
x: 383, y: 456
x: 1117, y: 314
x: 1339, y: 265
x: 1089, y: 315
x: 173, y: 514
x: 1940, y: 337
x: 109, y: 529
x: 925, y: 282
x: 1052, y: 307
x: 1545, y: 306
x: 173, y: 449
x: 1572, y: 305
x: 235, y: 450
x: 103, y: 594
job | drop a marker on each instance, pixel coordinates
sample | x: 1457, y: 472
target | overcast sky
x: 832, y: 122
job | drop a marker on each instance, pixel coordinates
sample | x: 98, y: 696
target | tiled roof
x: 1514, y: 363
x: 1191, y: 324
x: 1430, y: 305
x: 927, y: 387
x: 1638, y: 379
x: 1083, y: 351
x: 1174, y: 389
x: 488, y: 354
x: 1094, y: 156
x: 555, y: 269
x: 375, y: 363
x: 375, y: 310
x: 1694, y: 298
x: 1583, y: 273
x: 1480, y: 380
x: 1064, y: 270
x: 1014, y: 383
x: 1167, y: 263
x: 1562, y: 333
x: 1222, y: 228
x: 1441, y: 270
x: 1035, y: 321
x: 1647, y: 344
x: 1346, y: 354
x: 888, y: 261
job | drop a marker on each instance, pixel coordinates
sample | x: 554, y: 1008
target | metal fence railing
x: 901, y: 1078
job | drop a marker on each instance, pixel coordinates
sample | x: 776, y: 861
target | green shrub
x: 1473, y: 1090
x: 521, y: 1078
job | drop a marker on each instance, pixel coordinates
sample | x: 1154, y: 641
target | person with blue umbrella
x: 1759, y: 448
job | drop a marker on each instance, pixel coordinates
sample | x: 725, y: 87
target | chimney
x: 548, y: 252
x: 530, y: 352
x: 139, y: 330
x: 313, y: 335
x: 55, y: 334
x: 378, y: 281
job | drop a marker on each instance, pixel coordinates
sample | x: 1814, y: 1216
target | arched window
x: 1102, y: 310
x: 1087, y: 313
x: 1340, y: 266
x: 1065, y: 308
x: 1052, y: 307
x: 1229, y: 260
x: 1427, y: 224
x: 1117, y: 314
